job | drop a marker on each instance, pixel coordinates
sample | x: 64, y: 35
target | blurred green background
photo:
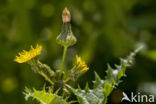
x: 105, y: 29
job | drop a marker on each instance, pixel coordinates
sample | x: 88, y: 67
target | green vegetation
x: 59, y: 79
x: 105, y: 30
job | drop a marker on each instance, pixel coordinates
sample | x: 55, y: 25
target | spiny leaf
x: 44, y: 97
x: 79, y: 87
x: 97, y: 81
x: 90, y: 96
x: 109, y: 72
x: 108, y: 87
x: 116, y: 74
x: 103, y: 88
x: 86, y: 87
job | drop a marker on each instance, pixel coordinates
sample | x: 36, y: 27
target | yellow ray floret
x: 81, y: 65
x: 26, y: 56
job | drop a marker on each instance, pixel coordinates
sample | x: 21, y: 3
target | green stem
x: 63, y: 58
x: 46, y: 77
x: 68, y: 79
x: 105, y: 100
x: 40, y: 68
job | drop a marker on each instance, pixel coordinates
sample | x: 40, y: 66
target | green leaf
x: 108, y: 87
x: 90, y: 96
x: 119, y: 71
x: 103, y: 88
x: 44, y: 97
x: 114, y: 75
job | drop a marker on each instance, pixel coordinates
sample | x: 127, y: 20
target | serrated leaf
x: 103, y: 88
x: 90, y: 96
x: 86, y: 87
x: 108, y: 87
x: 97, y: 81
x: 116, y: 74
x: 44, y: 97
x: 109, y: 72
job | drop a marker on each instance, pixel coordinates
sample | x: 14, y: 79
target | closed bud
x: 66, y: 17
x: 66, y: 37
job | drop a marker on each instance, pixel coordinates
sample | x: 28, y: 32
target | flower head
x: 81, y: 65
x: 26, y: 56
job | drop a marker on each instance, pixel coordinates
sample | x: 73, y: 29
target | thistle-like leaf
x: 114, y: 75
x: 103, y: 88
x: 44, y: 97
x: 119, y: 71
x: 86, y: 87
x: 90, y: 96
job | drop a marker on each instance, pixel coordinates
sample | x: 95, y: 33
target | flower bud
x: 66, y: 37
x: 66, y: 17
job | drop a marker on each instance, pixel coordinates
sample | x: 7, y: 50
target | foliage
x: 105, y: 30
x: 59, y: 79
x: 44, y: 97
x: 90, y: 96
x: 103, y: 88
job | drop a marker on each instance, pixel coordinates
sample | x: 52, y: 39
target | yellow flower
x: 28, y: 55
x: 81, y: 65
